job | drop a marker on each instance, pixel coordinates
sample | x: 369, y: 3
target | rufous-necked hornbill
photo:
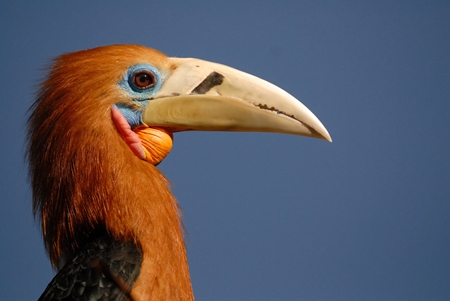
x: 102, y: 121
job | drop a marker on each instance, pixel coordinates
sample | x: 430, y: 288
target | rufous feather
x: 87, y: 182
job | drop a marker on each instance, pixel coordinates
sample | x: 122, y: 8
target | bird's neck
x: 148, y: 208
x: 94, y: 184
x: 164, y: 270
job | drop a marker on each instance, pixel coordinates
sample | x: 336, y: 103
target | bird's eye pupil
x: 143, y: 80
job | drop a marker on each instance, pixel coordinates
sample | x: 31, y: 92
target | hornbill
x: 102, y: 120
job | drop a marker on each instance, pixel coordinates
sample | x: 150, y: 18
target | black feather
x: 105, y: 269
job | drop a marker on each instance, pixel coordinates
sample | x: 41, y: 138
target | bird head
x: 105, y: 117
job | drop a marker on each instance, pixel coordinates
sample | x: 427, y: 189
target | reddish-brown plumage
x: 85, y: 179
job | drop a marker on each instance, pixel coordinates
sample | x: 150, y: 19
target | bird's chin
x: 156, y: 142
x: 151, y: 144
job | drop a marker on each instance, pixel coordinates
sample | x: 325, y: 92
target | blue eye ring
x: 142, y: 80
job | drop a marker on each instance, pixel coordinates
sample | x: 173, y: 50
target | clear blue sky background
x: 271, y: 217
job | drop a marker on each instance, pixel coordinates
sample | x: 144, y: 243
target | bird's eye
x: 142, y: 80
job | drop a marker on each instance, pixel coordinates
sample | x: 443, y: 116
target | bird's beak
x: 200, y: 95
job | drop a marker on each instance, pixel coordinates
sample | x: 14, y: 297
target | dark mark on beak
x: 278, y: 112
x: 212, y: 80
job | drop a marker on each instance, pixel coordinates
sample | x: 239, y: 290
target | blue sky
x: 271, y: 217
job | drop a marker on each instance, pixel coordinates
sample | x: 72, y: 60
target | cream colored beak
x: 205, y: 96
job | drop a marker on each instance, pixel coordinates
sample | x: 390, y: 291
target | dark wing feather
x: 103, y: 270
